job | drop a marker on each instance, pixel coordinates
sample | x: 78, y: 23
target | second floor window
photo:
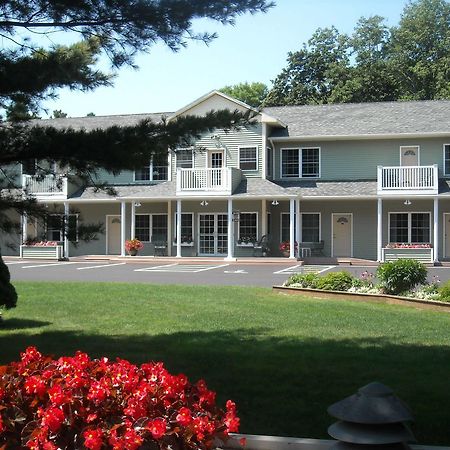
x: 248, y: 158
x: 300, y: 162
x: 446, y: 159
x: 156, y: 170
x: 185, y: 159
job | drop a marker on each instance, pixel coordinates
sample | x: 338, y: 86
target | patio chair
x: 261, y: 248
x: 160, y: 245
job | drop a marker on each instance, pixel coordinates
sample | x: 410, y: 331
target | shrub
x: 336, y: 281
x: 75, y: 402
x: 402, y: 275
x: 308, y: 280
x: 444, y: 292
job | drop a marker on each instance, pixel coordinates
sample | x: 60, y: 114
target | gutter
x: 349, y: 137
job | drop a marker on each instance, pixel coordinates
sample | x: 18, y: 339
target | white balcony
x: 404, y: 180
x: 211, y: 181
x: 48, y: 186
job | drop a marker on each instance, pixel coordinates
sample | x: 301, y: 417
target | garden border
x: 355, y: 296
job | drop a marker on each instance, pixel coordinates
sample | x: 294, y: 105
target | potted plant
x: 132, y: 246
x: 285, y: 248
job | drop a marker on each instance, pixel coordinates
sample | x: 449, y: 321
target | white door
x: 447, y: 235
x: 216, y: 160
x: 342, y: 235
x: 409, y: 156
x: 213, y: 234
x: 113, y: 235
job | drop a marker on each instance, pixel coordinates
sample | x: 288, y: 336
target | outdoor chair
x: 160, y: 245
x: 261, y: 248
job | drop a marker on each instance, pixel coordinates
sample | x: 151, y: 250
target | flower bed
x: 75, y: 402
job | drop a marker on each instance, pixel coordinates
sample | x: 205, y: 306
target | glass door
x: 213, y: 235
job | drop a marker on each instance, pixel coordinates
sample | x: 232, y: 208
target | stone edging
x: 354, y: 296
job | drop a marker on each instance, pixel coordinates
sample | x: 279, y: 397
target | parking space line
x: 99, y: 267
x: 186, y: 268
x: 149, y: 269
x: 48, y: 265
x: 16, y: 262
x: 212, y: 267
x: 287, y: 270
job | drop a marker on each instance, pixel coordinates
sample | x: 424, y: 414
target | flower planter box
x: 424, y: 255
x: 248, y: 245
x: 42, y: 252
x: 184, y: 244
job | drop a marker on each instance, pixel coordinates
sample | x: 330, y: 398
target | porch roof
x: 313, y: 188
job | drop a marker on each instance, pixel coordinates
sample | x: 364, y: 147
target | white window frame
x: 150, y: 223
x: 409, y: 213
x: 447, y: 174
x: 257, y: 223
x: 256, y: 157
x: 151, y: 170
x: 300, y: 162
x: 175, y: 228
x: 409, y: 146
x: 61, y: 233
x: 209, y: 153
x: 301, y: 223
x: 191, y: 149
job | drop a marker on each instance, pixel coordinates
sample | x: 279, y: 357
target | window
x: 156, y: 170
x: 29, y: 167
x: 187, y: 223
x: 56, y: 224
x: 269, y: 162
x: 409, y: 228
x: 248, y: 227
x: 185, y: 159
x: 150, y: 227
x: 286, y: 226
x: 248, y: 158
x: 300, y: 162
x: 446, y: 159
x: 310, y: 227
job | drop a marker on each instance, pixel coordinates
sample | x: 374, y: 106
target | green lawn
x: 282, y: 359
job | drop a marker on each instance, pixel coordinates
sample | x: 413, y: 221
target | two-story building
x: 352, y: 180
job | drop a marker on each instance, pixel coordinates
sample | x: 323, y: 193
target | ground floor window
x: 56, y: 227
x: 310, y: 227
x: 286, y: 226
x: 409, y: 228
x: 151, y: 227
x: 187, y: 226
x: 248, y: 227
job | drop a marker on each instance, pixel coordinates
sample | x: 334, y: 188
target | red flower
x: 53, y: 419
x: 157, y: 427
x: 35, y: 385
x: 184, y: 416
x: 2, y: 425
x: 93, y: 439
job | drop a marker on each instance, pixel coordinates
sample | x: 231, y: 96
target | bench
x: 306, y: 249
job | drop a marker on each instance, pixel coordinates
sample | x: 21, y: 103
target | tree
x: 376, y: 63
x: 119, y: 29
x: 59, y: 114
x: 251, y: 93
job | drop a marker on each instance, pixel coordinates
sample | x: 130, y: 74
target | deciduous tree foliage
x: 251, y: 93
x: 119, y: 29
x: 376, y: 63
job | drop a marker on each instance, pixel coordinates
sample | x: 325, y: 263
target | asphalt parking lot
x: 199, y: 273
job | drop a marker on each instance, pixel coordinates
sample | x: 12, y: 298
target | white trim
x: 256, y: 157
x: 443, y: 159
x: 300, y: 239
x: 263, y: 152
x: 444, y: 240
x: 332, y: 232
x: 208, y: 158
x: 409, y: 224
x: 300, y: 162
x: 184, y: 149
x: 107, y: 231
x: 215, y: 214
x: 349, y: 137
x: 410, y: 146
x: 257, y: 224
x: 150, y: 224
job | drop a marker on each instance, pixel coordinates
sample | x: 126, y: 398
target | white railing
x: 197, y: 181
x: 404, y: 179
x: 48, y: 185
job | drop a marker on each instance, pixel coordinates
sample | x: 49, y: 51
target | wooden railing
x: 48, y: 185
x: 404, y: 179
x: 204, y: 180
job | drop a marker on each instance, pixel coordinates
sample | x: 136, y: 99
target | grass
x: 282, y: 359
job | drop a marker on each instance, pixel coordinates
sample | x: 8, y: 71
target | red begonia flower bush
x: 81, y: 403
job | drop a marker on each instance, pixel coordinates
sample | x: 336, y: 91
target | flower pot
x: 132, y: 252
x: 286, y: 253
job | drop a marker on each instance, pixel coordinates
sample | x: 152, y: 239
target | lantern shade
x: 374, y: 403
x: 370, y: 434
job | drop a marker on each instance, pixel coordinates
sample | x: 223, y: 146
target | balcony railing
x: 45, y: 186
x: 199, y: 181
x: 408, y: 179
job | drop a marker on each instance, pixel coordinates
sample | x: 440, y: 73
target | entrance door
x: 113, y: 235
x: 409, y: 156
x: 216, y: 160
x: 213, y: 236
x: 342, y: 235
x: 447, y: 235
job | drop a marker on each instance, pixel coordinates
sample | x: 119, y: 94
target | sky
x: 254, y: 49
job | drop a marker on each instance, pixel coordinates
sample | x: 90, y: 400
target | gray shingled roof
x: 313, y: 188
x: 251, y: 187
x: 94, y: 122
x: 363, y: 118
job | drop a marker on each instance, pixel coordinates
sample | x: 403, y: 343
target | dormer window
x: 300, y: 162
x: 154, y: 171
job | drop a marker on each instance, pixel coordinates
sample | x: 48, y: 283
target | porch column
x: 297, y: 225
x: 66, y: 229
x: 230, y: 231
x: 123, y: 209
x: 263, y: 219
x: 292, y: 228
x: 24, y: 228
x: 133, y: 220
x: 178, y: 228
x: 169, y: 228
x: 436, y: 230
x: 379, y: 230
